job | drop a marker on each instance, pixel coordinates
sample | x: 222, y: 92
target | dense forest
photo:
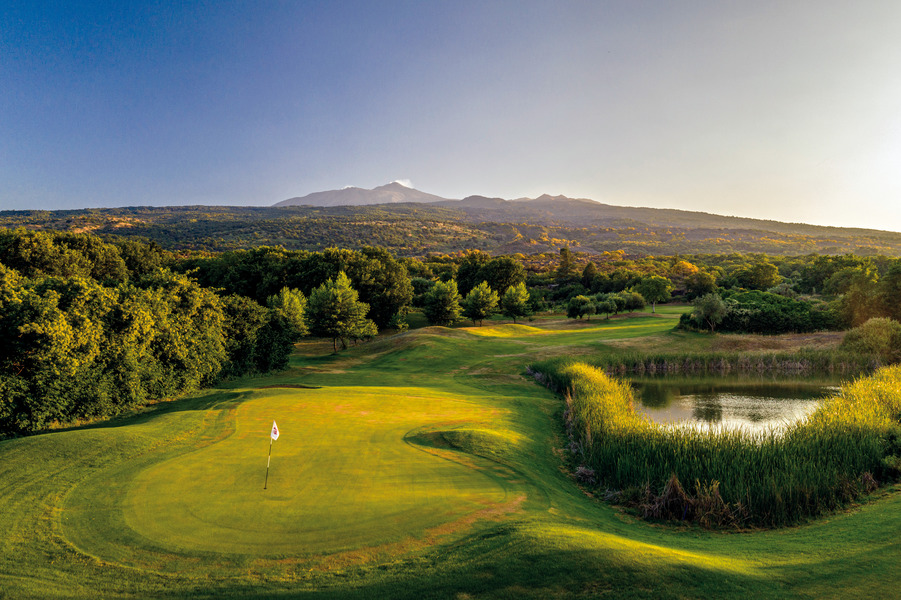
x: 95, y: 325
x: 492, y: 225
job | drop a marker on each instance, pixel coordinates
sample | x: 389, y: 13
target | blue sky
x: 780, y: 110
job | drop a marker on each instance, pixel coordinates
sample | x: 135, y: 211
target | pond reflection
x: 733, y: 404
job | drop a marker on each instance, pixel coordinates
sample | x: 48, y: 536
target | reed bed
x: 721, y: 477
x: 806, y: 362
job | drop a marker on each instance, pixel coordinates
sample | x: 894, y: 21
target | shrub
x: 762, y: 312
x: 879, y: 336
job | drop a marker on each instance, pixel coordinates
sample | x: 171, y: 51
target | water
x: 750, y: 405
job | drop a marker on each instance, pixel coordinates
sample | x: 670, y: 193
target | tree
x: 142, y: 257
x: 480, y: 303
x: 381, y: 280
x: 710, y: 309
x: 699, y: 284
x: 334, y: 311
x: 567, y: 265
x: 244, y: 321
x: 620, y: 279
x: 634, y: 300
x: 861, y: 301
x: 469, y: 273
x: 605, y: 307
x: 441, y: 304
x: 654, y: 289
x: 762, y: 276
x: 515, y: 301
x: 890, y: 291
x: 383, y: 283
x: 502, y: 272
x: 291, y: 304
x: 619, y: 301
x: 588, y: 274
x: 578, y: 306
x: 681, y: 273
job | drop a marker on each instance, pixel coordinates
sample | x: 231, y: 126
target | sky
x: 785, y: 110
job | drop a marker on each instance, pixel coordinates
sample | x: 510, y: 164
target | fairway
x: 420, y: 465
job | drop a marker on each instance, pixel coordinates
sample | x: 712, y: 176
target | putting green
x: 342, y: 476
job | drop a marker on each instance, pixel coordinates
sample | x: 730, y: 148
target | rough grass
x: 455, y: 434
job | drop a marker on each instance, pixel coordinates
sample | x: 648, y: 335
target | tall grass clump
x: 807, y: 362
x: 721, y: 477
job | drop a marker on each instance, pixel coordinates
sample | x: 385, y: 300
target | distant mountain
x: 589, y: 224
x: 392, y: 193
x: 561, y: 210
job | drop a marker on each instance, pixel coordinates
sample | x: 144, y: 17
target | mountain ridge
x: 557, y: 209
x: 390, y: 193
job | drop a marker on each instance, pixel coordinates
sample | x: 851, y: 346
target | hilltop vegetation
x: 493, y: 225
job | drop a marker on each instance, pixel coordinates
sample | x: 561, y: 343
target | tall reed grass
x: 806, y: 362
x: 732, y: 477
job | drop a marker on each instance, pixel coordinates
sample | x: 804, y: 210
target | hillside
x: 561, y: 210
x: 388, y: 216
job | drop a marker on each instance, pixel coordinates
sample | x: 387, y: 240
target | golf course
x: 422, y: 464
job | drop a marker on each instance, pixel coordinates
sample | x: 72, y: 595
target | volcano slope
x: 421, y: 465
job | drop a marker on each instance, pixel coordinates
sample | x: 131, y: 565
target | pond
x: 746, y: 404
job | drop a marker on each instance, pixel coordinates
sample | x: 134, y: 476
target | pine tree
x: 567, y: 264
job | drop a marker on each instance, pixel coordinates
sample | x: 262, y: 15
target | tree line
x: 92, y: 328
x: 95, y: 326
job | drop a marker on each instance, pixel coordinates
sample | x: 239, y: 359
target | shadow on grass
x: 214, y: 400
x: 499, y: 564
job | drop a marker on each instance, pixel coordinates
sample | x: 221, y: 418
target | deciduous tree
x: 334, y: 311
x: 579, y: 306
x: 654, y: 289
x: 515, y: 301
x: 442, y: 303
x: 711, y: 309
x: 480, y: 303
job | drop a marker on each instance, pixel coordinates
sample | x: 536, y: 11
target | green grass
x: 426, y: 465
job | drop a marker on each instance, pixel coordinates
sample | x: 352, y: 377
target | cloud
x: 404, y: 182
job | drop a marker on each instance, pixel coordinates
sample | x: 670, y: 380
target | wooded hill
x: 527, y: 226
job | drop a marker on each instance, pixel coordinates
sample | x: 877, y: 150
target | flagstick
x: 267, y: 463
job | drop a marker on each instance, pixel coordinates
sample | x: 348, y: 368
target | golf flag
x: 273, y: 435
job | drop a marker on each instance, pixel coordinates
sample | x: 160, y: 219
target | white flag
x: 274, y: 434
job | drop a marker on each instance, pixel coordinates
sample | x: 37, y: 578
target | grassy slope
x: 370, y: 496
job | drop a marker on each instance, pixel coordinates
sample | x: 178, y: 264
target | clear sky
x: 788, y: 110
